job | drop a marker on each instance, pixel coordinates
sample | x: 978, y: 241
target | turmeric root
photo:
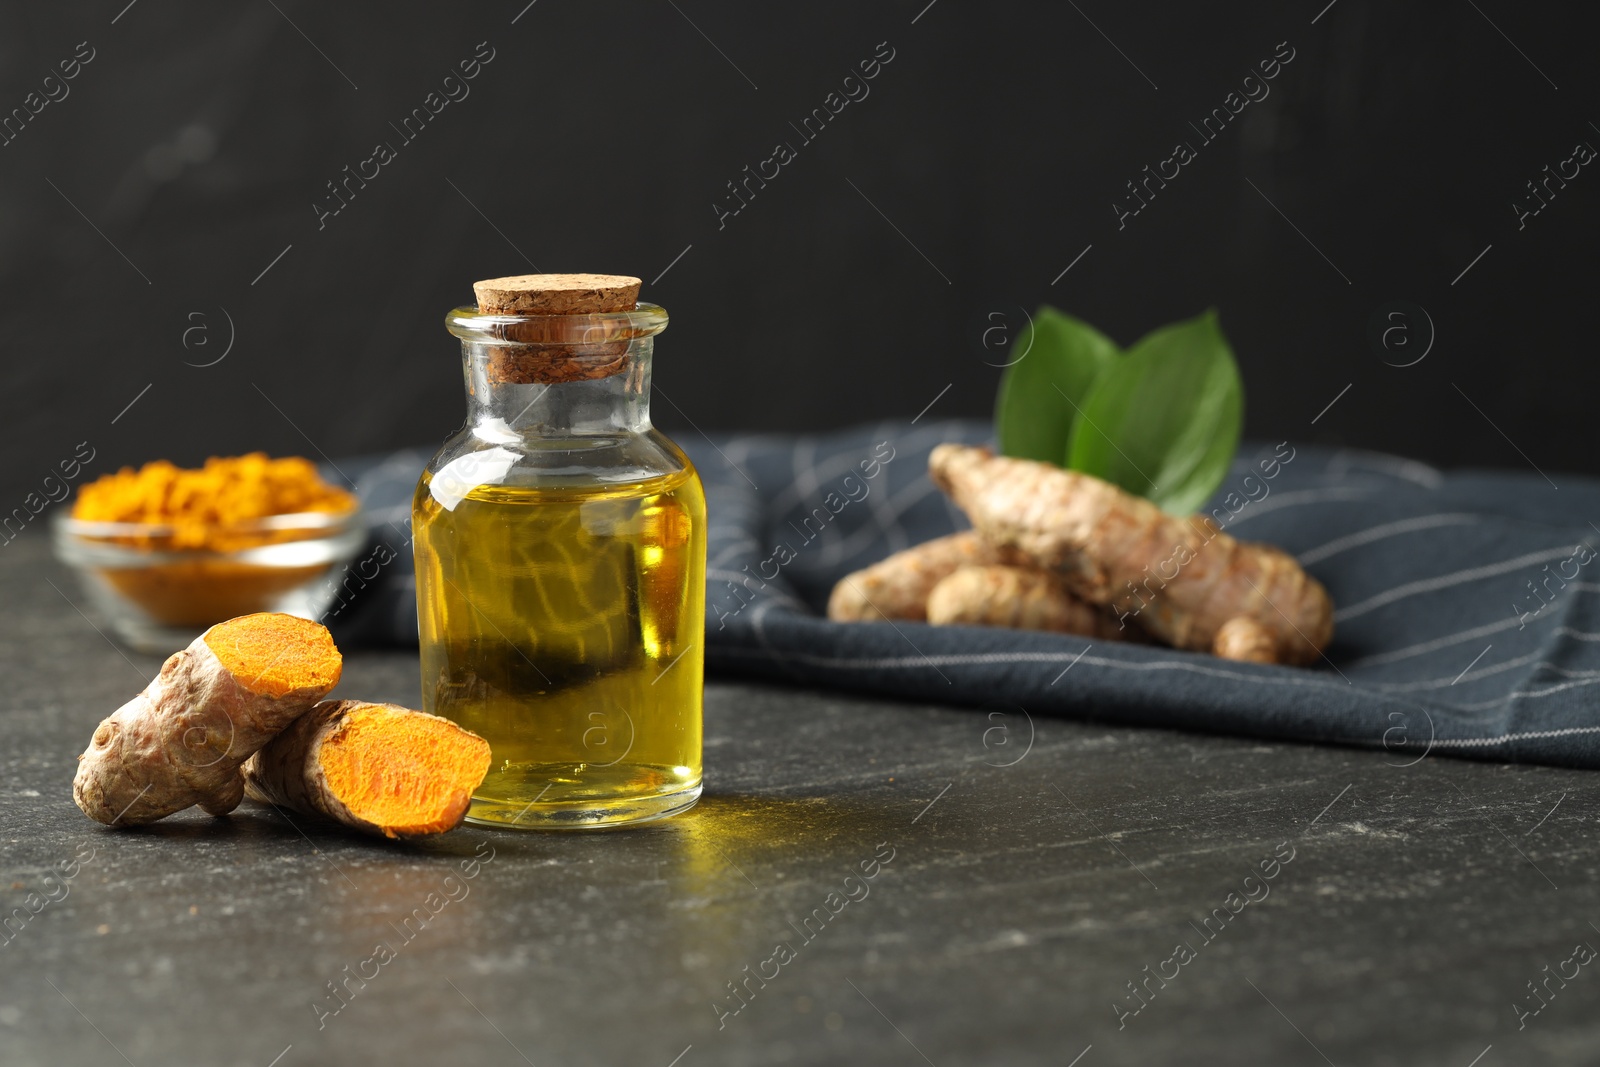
x: 1182, y: 579
x: 379, y: 768
x: 181, y: 742
x: 898, y: 587
x: 1022, y: 598
x: 1246, y: 640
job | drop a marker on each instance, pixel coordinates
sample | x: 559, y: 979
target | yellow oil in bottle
x: 565, y: 626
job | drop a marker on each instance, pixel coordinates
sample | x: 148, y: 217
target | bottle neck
x: 614, y: 405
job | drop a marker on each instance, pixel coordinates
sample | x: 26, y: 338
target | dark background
x: 601, y: 134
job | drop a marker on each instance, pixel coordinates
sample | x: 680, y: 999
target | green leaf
x: 1164, y: 421
x: 1055, y: 362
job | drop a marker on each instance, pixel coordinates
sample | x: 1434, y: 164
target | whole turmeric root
x: 903, y: 586
x: 1244, y: 639
x: 379, y: 768
x: 1022, y: 598
x: 1182, y: 579
x: 897, y: 587
x: 181, y: 742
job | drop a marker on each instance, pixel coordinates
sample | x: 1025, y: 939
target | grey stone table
x: 1030, y: 887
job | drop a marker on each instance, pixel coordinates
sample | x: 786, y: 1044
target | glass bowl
x: 158, y: 596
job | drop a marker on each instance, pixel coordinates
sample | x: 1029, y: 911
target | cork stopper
x: 569, y: 335
x: 556, y: 294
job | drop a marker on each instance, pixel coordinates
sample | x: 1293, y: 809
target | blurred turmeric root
x: 1022, y: 598
x: 961, y: 579
x: 1063, y: 551
x: 898, y: 587
x: 1183, y: 581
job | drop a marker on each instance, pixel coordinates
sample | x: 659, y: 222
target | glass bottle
x: 560, y: 546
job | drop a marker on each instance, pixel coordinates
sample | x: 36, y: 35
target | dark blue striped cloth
x: 1466, y: 619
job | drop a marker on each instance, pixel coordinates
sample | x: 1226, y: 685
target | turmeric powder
x: 212, y: 508
x: 183, y: 739
x: 225, y: 507
x: 1109, y: 547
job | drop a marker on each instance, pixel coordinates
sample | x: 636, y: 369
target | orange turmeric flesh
x: 410, y: 773
x: 379, y: 768
x: 276, y: 654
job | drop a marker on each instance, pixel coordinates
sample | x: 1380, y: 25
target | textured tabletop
x: 864, y: 882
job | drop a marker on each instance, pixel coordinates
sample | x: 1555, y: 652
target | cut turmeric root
x: 1184, y: 581
x: 379, y: 768
x: 1022, y: 598
x: 182, y: 740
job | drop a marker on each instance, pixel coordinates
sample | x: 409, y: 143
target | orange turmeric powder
x: 224, y: 507
x: 212, y: 508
